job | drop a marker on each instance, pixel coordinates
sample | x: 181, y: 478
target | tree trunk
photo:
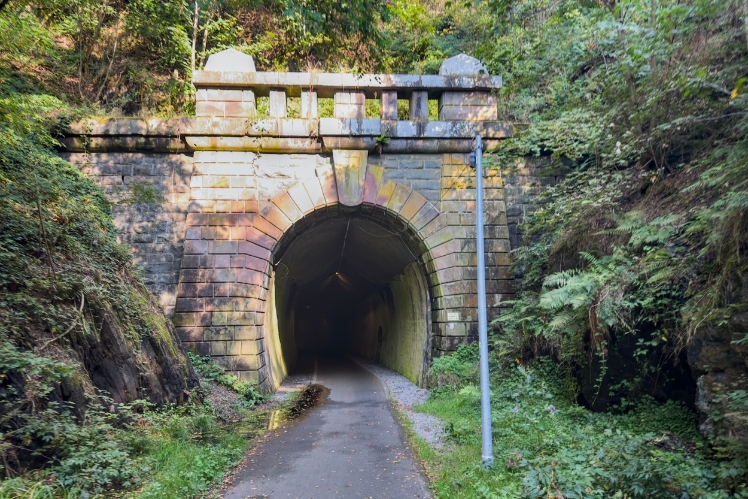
x: 195, y: 25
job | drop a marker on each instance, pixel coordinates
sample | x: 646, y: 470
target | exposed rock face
x: 152, y: 366
x: 721, y: 367
x: 155, y: 370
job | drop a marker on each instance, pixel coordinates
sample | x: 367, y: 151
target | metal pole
x: 485, y: 390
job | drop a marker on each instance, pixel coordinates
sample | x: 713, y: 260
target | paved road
x: 349, y: 447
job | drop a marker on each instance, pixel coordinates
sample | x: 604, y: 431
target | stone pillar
x: 309, y: 105
x: 349, y: 104
x: 389, y: 105
x: 419, y: 106
x: 277, y: 105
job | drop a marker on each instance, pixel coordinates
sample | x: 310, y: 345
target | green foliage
x: 546, y: 445
x: 211, y: 371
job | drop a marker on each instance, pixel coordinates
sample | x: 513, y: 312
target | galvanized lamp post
x: 485, y: 390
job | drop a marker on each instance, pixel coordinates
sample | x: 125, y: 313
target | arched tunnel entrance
x: 350, y: 283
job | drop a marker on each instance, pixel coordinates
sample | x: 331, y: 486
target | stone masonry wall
x: 420, y: 172
x: 457, y: 290
x: 203, y: 228
x: 523, y: 183
x: 150, y: 195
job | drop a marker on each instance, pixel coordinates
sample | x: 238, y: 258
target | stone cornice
x: 278, y: 134
x: 326, y: 84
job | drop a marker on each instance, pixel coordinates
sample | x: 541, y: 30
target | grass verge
x: 547, y: 446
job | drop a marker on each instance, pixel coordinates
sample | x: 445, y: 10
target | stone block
x: 419, y: 105
x: 192, y: 275
x: 248, y: 96
x: 190, y: 333
x: 202, y: 348
x: 220, y: 275
x: 468, y: 113
x: 184, y: 319
x: 217, y: 348
x: 262, y: 225
x: 240, y: 110
x: 275, y: 216
x: 398, y: 198
x: 204, y: 108
x: 250, y: 347
x: 225, y: 247
x: 474, y: 98
x: 238, y: 233
x: 277, y: 103
x: 259, y: 238
x: 301, y: 199
x: 190, y: 305
x: 219, y: 333
x: 246, y: 333
x: 350, y: 173
x: 195, y: 219
x: 241, y: 318
x: 248, y: 276
x: 309, y: 108
x: 285, y: 203
x: 412, y: 206
x: 241, y: 290
x: 250, y: 248
x: 247, y: 366
x: 233, y: 348
x: 195, y: 247
x: 389, y: 105
x: 222, y: 304
x: 326, y: 176
x: 314, y: 191
x: 385, y: 193
x: 218, y: 318
x: 425, y: 215
x: 372, y: 181
x: 218, y: 94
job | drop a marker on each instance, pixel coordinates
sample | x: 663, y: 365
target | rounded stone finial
x: 230, y: 60
x: 462, y: 64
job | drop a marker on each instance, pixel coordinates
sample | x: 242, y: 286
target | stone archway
x: 230, y: 293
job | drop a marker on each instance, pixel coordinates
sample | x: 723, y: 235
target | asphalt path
x: 350, y: 446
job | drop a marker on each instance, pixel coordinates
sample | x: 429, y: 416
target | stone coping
x: 279, y: 135
x: 326, y: 84
x: 289, y: 127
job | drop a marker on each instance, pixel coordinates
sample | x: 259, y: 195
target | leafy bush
x: 548, y: 446
x: 211, y: 371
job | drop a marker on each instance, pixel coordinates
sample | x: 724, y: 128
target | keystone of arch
x: 351, y: 181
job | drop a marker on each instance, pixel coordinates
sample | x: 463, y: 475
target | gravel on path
x: 406, y: 395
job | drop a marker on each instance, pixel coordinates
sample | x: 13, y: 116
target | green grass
x: 189, y: 468
x: 547, y: 446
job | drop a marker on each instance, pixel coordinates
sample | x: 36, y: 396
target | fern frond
x: 560, y: 279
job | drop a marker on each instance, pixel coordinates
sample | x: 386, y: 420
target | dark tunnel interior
x: 351, y: 285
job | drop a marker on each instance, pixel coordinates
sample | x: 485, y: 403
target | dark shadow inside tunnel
x: 350, y: 284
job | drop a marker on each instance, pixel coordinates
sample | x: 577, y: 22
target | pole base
x: 487, y: 462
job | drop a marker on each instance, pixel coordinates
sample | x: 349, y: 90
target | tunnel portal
x: 276, y: 235
x: 351, y: 285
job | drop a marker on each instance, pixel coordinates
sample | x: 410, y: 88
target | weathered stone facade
x: 211, y: 215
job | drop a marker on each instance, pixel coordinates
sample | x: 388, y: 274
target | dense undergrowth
x: 546, y: 445
x: 145, y: 452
